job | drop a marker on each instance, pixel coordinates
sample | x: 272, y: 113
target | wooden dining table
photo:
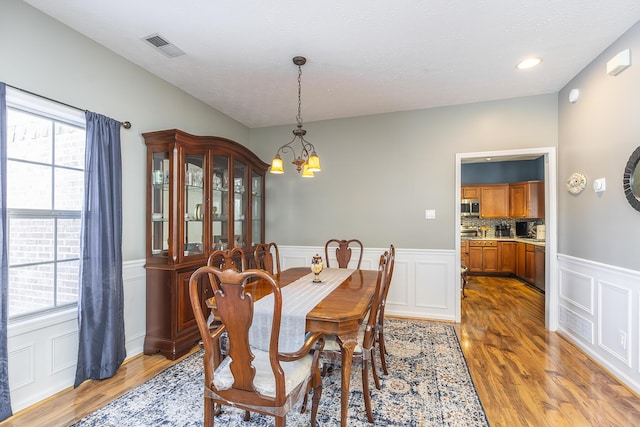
x: 340, y: 313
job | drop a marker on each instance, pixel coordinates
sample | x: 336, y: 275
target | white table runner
x: 298, y: 299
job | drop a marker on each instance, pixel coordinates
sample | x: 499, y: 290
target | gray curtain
x: 101, y: 300
x: 5, y: 399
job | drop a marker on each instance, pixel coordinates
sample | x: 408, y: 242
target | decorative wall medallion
x: 576, y: 183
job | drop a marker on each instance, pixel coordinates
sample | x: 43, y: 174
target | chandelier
x: 307, y: 160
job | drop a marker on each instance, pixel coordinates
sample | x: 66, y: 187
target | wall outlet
x: 430, y: 214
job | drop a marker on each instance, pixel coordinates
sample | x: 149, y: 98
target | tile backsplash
x: 492, y: 223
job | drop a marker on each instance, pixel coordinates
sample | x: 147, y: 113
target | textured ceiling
x: 364, y: 56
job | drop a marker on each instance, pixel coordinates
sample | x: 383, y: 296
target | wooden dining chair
x: 364, y: 352
x: 391, y: 260
x: 267, y: 257
x: 343, y: 251
x: 266, y: 382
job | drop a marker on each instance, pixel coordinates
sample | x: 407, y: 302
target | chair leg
x: 317, y: 393
x: 376, y: 379
x: 209, y: 412
x: 365, y: 389
x: 247, y: 415
x: 281, y: 421
x: 383, y: 351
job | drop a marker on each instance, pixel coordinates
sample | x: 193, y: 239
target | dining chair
x: 267, y: 257
x: 364, y: 352
x: 343, y: 251
x: 266, y: 382
x: 391, y: 260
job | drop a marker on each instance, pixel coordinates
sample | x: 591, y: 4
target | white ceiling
x: 364, y: 56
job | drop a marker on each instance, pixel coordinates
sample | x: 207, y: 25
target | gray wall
x: 43, y: 56
x: 381, y: 172
x: 597, y: 135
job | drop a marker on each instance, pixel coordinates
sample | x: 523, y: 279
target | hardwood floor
x: 528, y: 376
x: 525, y: 375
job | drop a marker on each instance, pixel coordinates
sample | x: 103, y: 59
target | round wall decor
x: 631, y: 180
x: 576, y: 183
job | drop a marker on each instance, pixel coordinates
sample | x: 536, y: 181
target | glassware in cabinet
x: 239, y: 204
x: 159, y: 203
x: 193, y: 202
x: 256, y: 209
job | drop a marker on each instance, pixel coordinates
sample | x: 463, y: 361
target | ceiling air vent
x: 164, y: 46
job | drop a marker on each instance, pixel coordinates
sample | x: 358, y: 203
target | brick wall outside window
x: 44, y: 221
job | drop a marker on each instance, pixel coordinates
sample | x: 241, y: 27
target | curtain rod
x: 126, y: 125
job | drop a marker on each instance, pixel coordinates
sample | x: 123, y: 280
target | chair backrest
x: 343, y: 251
x: 267, y: 257
x: 235, y: 308
x: 391, y: 260
x: 370, y: 328
x: 232, y: 258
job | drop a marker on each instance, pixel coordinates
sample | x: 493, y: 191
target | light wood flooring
x: 528, y: 376
x: 525, y: 375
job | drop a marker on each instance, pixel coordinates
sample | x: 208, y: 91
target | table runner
x: 298, y: 298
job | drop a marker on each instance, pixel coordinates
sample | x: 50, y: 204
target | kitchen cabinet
x: 507, y: 254
x: 521, y: 249
x: 483, y: 256
x: 539, y: 276
x: 526, y: 199
x: 203, y: 193
x: 529, y: 263
x: 470, y: 192
x: 494, y: 201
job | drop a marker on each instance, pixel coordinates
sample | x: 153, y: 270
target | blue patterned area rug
x: 428, y: 385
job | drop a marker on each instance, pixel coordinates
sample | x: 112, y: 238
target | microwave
x: 470, y: 207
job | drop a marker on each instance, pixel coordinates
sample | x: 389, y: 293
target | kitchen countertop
x: 535, y: 242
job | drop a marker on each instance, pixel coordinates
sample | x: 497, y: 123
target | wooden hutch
x: 203, y: 193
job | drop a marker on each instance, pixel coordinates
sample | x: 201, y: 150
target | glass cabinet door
x: 160, y: 204
x: 256, y: 209
x: 220, y: 203
x: 239, y: 204
x: 193, y: 201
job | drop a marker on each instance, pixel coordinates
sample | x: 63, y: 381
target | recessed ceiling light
x: 528, y: 63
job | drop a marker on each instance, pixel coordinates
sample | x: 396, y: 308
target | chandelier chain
x: 299, y: 116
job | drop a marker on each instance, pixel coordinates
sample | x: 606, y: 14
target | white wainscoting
x: 425, y: 284
x: 599, y: 312
x: 43, y: 352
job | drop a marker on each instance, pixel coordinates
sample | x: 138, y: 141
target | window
x: 45, y: 190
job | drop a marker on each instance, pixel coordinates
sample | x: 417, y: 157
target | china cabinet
x: 203, y: 193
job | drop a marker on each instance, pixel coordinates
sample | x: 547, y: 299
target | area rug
x: 428, y: 385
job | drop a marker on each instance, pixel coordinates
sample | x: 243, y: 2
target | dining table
x: 339, y: 313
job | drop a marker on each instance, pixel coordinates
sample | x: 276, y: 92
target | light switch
x: 599, y: 185
x: 430, y: 214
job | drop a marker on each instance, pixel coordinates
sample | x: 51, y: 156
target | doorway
x: 551, y: 218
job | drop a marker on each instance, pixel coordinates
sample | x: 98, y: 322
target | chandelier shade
x: 304, y: 155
